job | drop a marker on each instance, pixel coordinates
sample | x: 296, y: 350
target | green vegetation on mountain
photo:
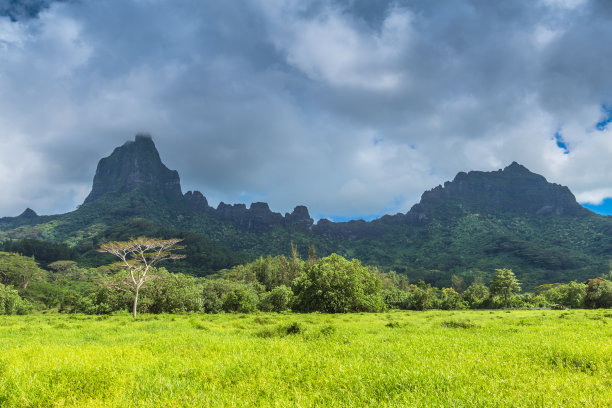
x: 471, y: 226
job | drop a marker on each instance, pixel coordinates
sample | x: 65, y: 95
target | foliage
x: 457, y: 241
x: 598, y: 293
x: 139, y: 256
x: 273, y: 284
x: 44, y: 252
x: 451, y: 300
x: 504, y: 284
x: 172, y: 293
x: 19, y: 271
x: 270, y: 272
x: 278, y: 299
x: 241, y: 299
x: 11, y: 303
x: 476, y: 295
x: 572, y: 294
x: 223, y: 295
x: 336, y: 285
x: 396, y: 298
x: 422, y: 297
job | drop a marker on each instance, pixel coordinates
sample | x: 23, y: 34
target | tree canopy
x: 138, y: 256
x: 504, y: 284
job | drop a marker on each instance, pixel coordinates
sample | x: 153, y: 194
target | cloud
x: 335, y: 47
x: 350, y: 107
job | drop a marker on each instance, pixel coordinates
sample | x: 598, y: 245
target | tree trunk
x: 135, y: 302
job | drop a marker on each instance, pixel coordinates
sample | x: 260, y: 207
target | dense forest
x: 42, y: 276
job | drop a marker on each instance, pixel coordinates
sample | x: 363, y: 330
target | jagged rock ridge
x: 137, y: 166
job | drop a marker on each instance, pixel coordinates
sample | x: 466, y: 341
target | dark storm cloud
x: 23, y: 9
x: 350, y: 107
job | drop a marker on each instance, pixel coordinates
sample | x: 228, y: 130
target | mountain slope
x: 480, y: 221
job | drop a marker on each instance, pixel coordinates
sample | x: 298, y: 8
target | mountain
x: 511, y: 190
x: 135, y: 166
x: 469, y: 226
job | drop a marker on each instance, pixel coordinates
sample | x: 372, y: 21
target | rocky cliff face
x: 513, y: 190
x: 135, y: 166
x: 197, y: 200
x: 258, y: 217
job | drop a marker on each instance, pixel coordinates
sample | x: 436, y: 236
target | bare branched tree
x: 138, y: 256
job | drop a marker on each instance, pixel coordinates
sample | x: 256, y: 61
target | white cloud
x: 565, y: 4
x: 349, y: 107
x: 337, y: 48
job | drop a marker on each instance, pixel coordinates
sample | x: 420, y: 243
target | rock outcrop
x: 258, y: 217
x: 513, y: 190
x: 28, y: 213
x: 299, y: 218
x: 197, y: 200
x: 135, y: 166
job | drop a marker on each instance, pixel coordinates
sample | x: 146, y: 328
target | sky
x: 353, y: 108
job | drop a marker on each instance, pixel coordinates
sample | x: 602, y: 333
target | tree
x: 138, y: 256
x: 504, y: 284
x: 598, y: 293
x: 19, y: 271
x: 451, y: 300
x: 172, y: 292
x: 11, y: 302
x: 312, y: 255
x: 458, y: 283
x: 475, y: 295
x: 423, y: 296
x: 572, y: 294
x: 277, y: 300
x: 337, y: 285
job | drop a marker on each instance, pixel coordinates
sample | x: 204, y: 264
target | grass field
x: 433, y: 359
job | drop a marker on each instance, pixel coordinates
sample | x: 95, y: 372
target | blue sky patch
x: 603, y: 123
x: 561, y: 143
x: 605, y: 208
x: 340, y: 218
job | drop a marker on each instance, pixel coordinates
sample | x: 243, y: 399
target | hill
x: 479, y: 221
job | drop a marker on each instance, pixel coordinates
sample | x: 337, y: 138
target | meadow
x: 528, y: 358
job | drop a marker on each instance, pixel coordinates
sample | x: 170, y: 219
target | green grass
x: 433, y: 359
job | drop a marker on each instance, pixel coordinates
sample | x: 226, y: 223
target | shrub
x: 572, y: 294
x: 395, y: 298
x: 278, y: 299
x: 422, y: 297
x: 219, y: 295
x: 451, y: 300
x: 171, y: 292
x: 336, y: 285
x: 598, y: 293
x: 459, y: 324
x: 294, y: 328
x: 11, y: 303
x: 476, y: 295
x: 242, y: 299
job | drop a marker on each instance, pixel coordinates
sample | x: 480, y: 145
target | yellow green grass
x: 395, y: 359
